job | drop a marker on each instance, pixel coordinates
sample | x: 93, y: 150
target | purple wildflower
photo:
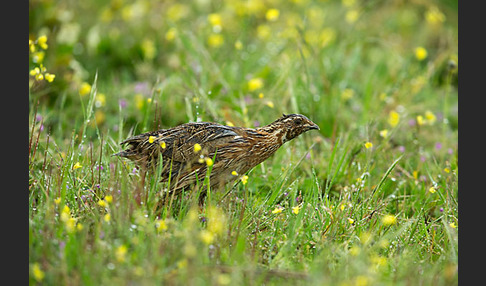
x: 438, y: 145
x: 122, y: 102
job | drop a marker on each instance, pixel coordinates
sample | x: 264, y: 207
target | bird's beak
x: 314, y: 126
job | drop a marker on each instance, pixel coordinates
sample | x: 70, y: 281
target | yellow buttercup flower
x: 368, y: 145
x: 215, y: 40
x: 434, y: 16
x: 209, y: 162
x: 272, y: 15
x: 77, y: 166
x: 197, y: 147
x: 238, y: 45
x: 161, y: 225
x: 384, y: 133
x: 430, y: 117
x: 37, y: 272
x: 109, y: 199
x: 350, y: 220
x: 151, y: 139
x: 171, y: 34
x: 102, y: 203
x: 234, y: 173
x: 295, y: 210
x: 352, y: 16
x: 389, y: 219
x: 277, y: 210
x: 393, y: 118
x: 163, y: 145
x: 420, y: 53
x: 42, y: 42
x: 255, y: 83
x: 432, y: 190
x: 49, y: 77
x: 120, y: 253
x: 107, y: 217
x: 84, y: 89
x: 244, y: 179
x: 420, y: 120
x: 215, y: 19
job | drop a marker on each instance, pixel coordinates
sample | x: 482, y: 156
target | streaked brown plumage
x: 233, y: 149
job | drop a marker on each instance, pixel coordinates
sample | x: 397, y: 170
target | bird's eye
x: 298, y: 121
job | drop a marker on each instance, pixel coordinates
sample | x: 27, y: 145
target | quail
x: 188, y: 150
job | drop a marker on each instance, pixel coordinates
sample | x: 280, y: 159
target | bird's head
x: 291, y: 125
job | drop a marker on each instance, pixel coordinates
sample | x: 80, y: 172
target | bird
x: 188, y: 151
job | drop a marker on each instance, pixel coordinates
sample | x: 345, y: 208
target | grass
x: 326, y: 209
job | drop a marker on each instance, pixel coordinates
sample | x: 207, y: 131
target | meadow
x: 369, y: 199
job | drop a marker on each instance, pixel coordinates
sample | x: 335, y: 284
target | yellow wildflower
x: 296, y: 210
x: 434, y: 16
x: 415, y: 174
x: 432, y: 190
x: 151, y: 139
x: 102, y: 203
x: 264, y: 32
x: 161, y: 225
x: 70, y: 224
x: 215, y: 19
x: 39, y: 77
x: 350, y: 220
x: 260, y: 95
x: 84, y: 89
x: 347, y: 93
x: 206, y: 236
x: 197, y: 147
x: 270, y: 104
x: 234, y: 173
x: 453, y: 225
x: 420, y: 53
x: 238, y: 45
x: 163, y: 145
x: 57, y: 201
x: 120, y: 253
x: 109, y: 199
x: 139, y: 101
x: 215, y: 40
x: 352, y: 16
x: 272, y: 15
x: 107, y: 217
x: 148, y: 49
x: 77, y: 166
x: 79, y: 227
x: 348, y: 3
x: 255, y: 83
x: 49, y: 77
x: 354, y: 251
x: 384, y: 133
x: 34, y: 71
x: 368, y: 145
x: 31, y: 46
x: 209, y: 161
x: 244, y: 179
x: 393, y: 118
x: 171, y: 34
x: 430, y: 117
x: 420, y: 120
x: 447, y: 170
x: 277, y: 210
x: 37, y: 272
x: 100, y: 99
x: 389, y: 219
x: 42, y: 42
x: 65, y: 214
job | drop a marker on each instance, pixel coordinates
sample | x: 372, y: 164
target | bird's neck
x: 276, y: 132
